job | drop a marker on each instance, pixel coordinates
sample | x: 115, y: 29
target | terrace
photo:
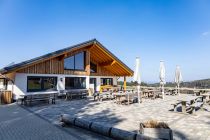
x: 128, y: 117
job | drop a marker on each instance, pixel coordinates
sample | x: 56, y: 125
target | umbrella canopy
x: 178, y: 78
x: 162, y: 73
x: 178, y: 75
x: 137, y: 77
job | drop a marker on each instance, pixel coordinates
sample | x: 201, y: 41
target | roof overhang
x: 98, y: 51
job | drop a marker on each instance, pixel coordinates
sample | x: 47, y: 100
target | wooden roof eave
x: 115, y: 59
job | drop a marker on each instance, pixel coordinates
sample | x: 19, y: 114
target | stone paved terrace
x: 17, y: 123
x: 128, y: 117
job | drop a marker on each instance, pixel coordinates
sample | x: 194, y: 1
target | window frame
x: 111, y: 79
x: 42, y: 89
x: 85, y: 78
x: 84, y: 53
x: 95, y: 66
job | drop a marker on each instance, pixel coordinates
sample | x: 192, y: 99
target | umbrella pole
x: 138, y: 90
x: 178, y: 89
x: 163, y: 91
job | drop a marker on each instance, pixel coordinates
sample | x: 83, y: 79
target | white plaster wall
x: 20, y: 86
x: 98, y: 80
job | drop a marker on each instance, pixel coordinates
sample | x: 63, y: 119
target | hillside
x: 204, y: 83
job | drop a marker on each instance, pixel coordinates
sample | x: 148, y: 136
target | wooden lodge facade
x: 82, y: 66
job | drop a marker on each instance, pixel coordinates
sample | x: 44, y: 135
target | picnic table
x: 38, y: 96
x: 196, y: 92
x: 172, y: 91
x: 126, y: 97
x: 206, y: 97
x: 151, y: 93
x: 103, y: 95
x: 71, y: 93
x: 188, y: 103
x: 119, y: 97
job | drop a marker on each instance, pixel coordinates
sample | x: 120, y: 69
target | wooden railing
x: 181, y: 88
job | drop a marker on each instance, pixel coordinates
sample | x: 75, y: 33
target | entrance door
x: 93, y: 84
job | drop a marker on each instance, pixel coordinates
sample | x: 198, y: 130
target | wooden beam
x: 113, y: 63
x: 62, y: 57
x: 87, y: 67
x: 90, y: 47
x: 107, y: 53
x: 108, y: 63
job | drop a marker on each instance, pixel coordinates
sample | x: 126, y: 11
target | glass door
x: 93, y: 84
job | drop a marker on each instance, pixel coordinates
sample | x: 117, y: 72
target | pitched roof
x: 61, y: 51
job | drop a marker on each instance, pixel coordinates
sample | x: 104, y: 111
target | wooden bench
x: 191, y: 108
x: 70, y: 94
x: 29, y: 99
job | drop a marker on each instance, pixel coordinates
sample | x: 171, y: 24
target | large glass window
x: 75, y: 83
x: 106, y: 81
x: 69, y: 63
x: 35, y: 83
x: 80, y: 61
x: 75, y: 62
x: 93, y: 67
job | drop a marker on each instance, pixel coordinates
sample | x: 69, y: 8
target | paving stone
x: 17, y: 123
x: 127, y: 117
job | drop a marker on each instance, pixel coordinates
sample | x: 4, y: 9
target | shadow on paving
x: 90, y: 110
x: 20, y: 123
x: 76, y: 108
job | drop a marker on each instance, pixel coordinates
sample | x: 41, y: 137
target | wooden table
x: 150, y: 93
x: 191, y: 100
x: 196, y: 92
x: 29, y: 96
x: 206, y: 97
x: 75, y: 92
x: 118, y: 97
x: 172, y: 91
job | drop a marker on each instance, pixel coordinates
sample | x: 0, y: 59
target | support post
x: 124, y: 84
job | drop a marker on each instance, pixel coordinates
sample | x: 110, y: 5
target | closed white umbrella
x: 137, y: 78
x: 178, y: 78
x: 162, y: 77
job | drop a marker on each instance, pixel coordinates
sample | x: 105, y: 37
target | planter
x: 119, y: 134
x: 159, y: 133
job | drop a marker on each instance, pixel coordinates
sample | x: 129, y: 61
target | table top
x: 206, y: 94
x: 119, y: 94
x: 39, y: 93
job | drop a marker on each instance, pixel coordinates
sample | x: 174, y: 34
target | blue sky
x: 176, y: 31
